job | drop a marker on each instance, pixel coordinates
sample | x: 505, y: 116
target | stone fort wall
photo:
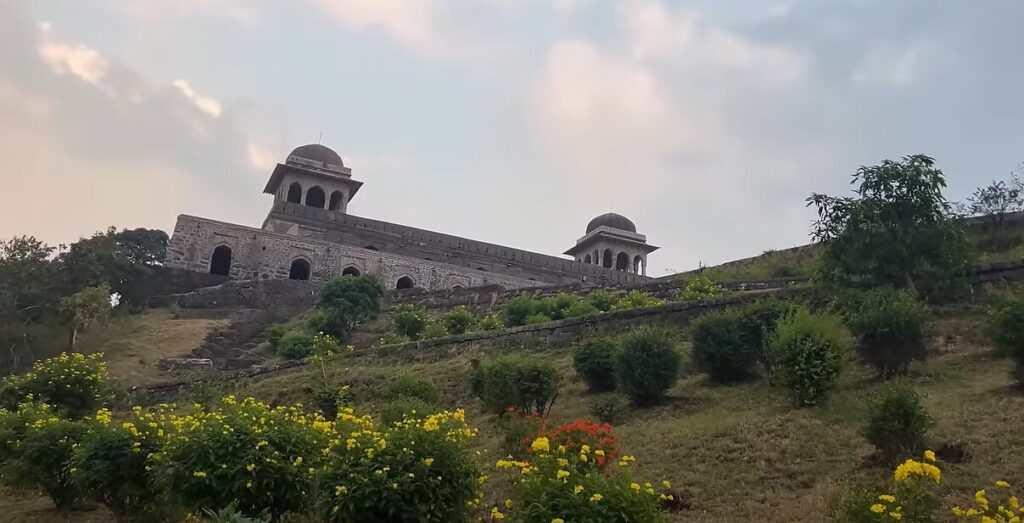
x: 261, y: 255
x: 438, y: 247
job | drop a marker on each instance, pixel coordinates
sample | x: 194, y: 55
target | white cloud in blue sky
x: 512, y: 121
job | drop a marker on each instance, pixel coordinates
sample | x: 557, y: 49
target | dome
x: 615, y: 221
x: 318, y: 153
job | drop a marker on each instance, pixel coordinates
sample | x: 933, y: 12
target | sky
x: 707, y: 123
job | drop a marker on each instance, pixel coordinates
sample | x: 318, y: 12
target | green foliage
x: 647, y: 364
x: 722, y: 347
x: 758, y: 321
x: 594, y: 360
x: 995, y: 200
x: 274, y: 332
x: 42, y: 459
x: 555, y: 307
x: 247, y: 452
x: 15, y: 423
x: 433, y: 329
x: 897, y: 231
x: 607, y: 409
x: 527, y: 383
x: 459, y: 320
x: 517, y: 430
x: 392, y: 338
x: 422, y: 473
x: 116, y: 259
x: 413, y: 387
x: 348, y: 301
x: 699, y: 288
x: 603, y: 300
x: 402, y: 407
x: 85, y: 308
x: 806, y: 351
x: 580, y: 308
x: 897, y: 423
x: 29, y: 293
x: 228, y: 514
x: 490, y: 322
x: 409, y: 321
x: 1005, y: 326
x: 518, y: 309
x: 295, y: 345
x: 535, y: 319
x: 74, y: 384
x: 890, y: 328
x: 635, y: 299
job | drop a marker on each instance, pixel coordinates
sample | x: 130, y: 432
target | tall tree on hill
x: 85, y: 308
x: 897, y: 230
x: 28, y: 294
x: 112, y: 258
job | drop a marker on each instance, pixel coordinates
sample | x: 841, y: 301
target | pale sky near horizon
x: 510, y: 121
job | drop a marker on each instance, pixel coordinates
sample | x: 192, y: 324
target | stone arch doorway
x: 351, y: 270
x: 405, y: 282
x: 335, y: 203
x: 299, y: 270
x: 622, y: 262
x: 587, y: 259
x: 295, y: 193
x: 638, y: 265
x: 220, y: 262
x: 607, y: 262
x: 315, y: 197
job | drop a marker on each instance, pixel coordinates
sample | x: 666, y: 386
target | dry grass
x: 30, y: 507
x: 135, y: 343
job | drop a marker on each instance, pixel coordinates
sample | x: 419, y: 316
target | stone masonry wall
x: 260, y: 254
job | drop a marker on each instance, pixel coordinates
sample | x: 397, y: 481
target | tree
x: 347, y: 301
x: 993, y: 201
x: 85, y: 308
x: 116, y: 259
x: 897, y: 230
x: 28, y: 293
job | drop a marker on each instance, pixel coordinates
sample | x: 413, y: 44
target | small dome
x: 615, y: 221
x: 318, y: 153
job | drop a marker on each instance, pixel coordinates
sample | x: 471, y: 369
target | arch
x: 405, y: 282
x: 371, y: 248
x: 351, y: 270
x: 622, y: 262
x: 637, y: 262
x: 315, y: 197
x: 300, y: 270
x: 220, y: 261
x: 295, y: 193
x: 456, y: 286
x: 335, y: 203
x: 587, y: 259
x: 607, y: 262
x: 597, y: 257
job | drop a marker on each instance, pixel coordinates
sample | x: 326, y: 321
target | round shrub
x: 526, y: 383
x: 433, y: 329
x: 347, y: 301
x: 594, y: 360
x: 402, y: 407
x: 518, y: 309
x: 458, y: 320
x: 490, y: 322
x: 580, y: 308
x: 42, y: 458
x: 416, y: 470
x: 413, y: 387
x: 1006, y: 330
x: 897, y: 423
x: 759, y: 319
x: 247, y: 453
x: 73, y: 383
x: 295, y: 345
x: 647, y: 364
x: 890, y: 328
x: 722, y: 348
x: 409, y: 320
x: 806, y: 350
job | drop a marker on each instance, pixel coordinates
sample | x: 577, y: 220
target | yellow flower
x: 887, y: 498
x: 561, y: 474
x: 508, y: 503
x: 634, y: 486
x: 540, y: 445
x: 250, y: 467
x: 666, y: 484
x: 929, y: 455
x: 199, y: 474
x: 877, y: 508
x: 577, y: 489
x: 558, y: 520
x: 599, y: 452
x: 596, y: 497
x: 1002, y: 484
x: 583, y: 458
x: 429, y: 461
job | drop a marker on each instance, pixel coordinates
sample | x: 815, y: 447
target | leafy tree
x: 898, y: 230
x: 85, y: 308
x: 114, y: 258
x: 993, y: 201
x: 29, y: 293
x: 348, y: 301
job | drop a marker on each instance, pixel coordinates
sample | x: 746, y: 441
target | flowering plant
x: 600, y: 444
x: 73, y: 383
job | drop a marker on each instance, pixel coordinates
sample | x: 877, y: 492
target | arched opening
x: 295, y: 193
x: 636, y: 264
x: 622, y: 262
x: 405, y: 282
x: 220, y: 262
x: 587, y: 259
x: 335, y: 203
x: 607, y: 263
x: 351, y: 270
x: 315, y: 197
x: 456, y: 286
x: 597, y: 257
x: 299, y: 270
x: 370, y: 247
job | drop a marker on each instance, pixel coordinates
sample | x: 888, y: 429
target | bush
x: 348, y: 301
x: 295, y: 345
x: 1006, y: 330
x: 416, y: 470
x: 594, y: 360
x: 409, y: 320
x: 606, y: 409
x: 580, y: 308
x: 699, y: 288
x: 516, y: 310
x: 759, y: 319
x: 14, y: 424
x: 262, y: 458
x: 74, y: 384
x: 897, y: 423
x: 890, y: 328
x: 647, y: 364
x: 402, y: 407
x: 42, y: 459
x: 556, y: 306
x: 603, y: 300
x: 434, y: 329
x: 518, y: 430
x: 273, y: 333
x: 910, y: 497
x: 528, y: 383
x: 490, y: 322
x: 602, y: 447
x: 109, y: 465
x: 722, y: 346
x: 458, y: 320
x: 412, y: 387
x: 635, y: 299
x: 806, y: 351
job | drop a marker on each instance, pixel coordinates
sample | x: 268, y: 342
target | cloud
x: 206, y: 104
x: 79, y: 60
